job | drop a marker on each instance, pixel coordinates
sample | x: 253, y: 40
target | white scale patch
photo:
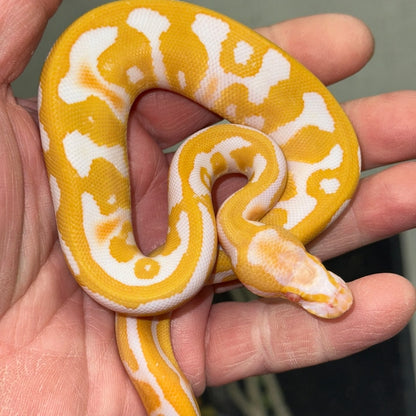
x: 256, y: 122
x: 330, y: 186
x: 212, y: 32
x: 81, y: 151
x: 135, y: 74
x: 152, y: 24
x: 44, y: 136
x: 221, y: 277
x: 231, y: 111
x: 257, y: 257
x: 112, y: 200
x: 259, y: 166
x: 45, y: 139
x: 84, y: 57
x: 182, y: 79
x: 56, y: 192
x: 243, y: 52
x: 302, y: 204
x: 315, y: 113
x: 175, y: 186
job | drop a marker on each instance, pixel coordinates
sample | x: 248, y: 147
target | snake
x: 283, y: 130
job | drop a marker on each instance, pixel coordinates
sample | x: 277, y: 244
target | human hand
x: 57, y: 347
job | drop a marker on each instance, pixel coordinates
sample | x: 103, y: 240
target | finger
x: 386, y: 127
x: 179, y: 119
x: 12, y: 216
x: 188, y: 329
x: 331, y: 46
x: 384, y: 205
x: 263, y: 337
x: 22, y: 23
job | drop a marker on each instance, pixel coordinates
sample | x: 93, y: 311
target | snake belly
x: 287, y: 134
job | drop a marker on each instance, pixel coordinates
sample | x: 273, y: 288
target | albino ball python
x: 288, y: 135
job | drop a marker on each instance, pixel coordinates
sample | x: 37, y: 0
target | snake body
x: 287, y: 134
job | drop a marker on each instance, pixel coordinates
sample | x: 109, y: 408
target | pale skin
x: 57, y: 347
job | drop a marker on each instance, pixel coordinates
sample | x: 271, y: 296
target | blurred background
x: 379, y: 381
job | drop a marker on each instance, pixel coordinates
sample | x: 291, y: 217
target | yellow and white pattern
x: 288, y: 135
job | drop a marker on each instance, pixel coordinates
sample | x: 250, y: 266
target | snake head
x: 278, y: 265
x: 333, y: 300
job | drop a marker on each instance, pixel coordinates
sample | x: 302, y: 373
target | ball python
x: 285, y: 132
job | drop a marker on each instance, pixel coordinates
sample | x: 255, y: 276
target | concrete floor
x: 392, y: 68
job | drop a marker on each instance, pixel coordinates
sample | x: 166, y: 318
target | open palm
x: 57, y: 347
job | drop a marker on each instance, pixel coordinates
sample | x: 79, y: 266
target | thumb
x: 22, y: 23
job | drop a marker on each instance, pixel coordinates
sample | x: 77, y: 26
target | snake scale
x: 286, y: 134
